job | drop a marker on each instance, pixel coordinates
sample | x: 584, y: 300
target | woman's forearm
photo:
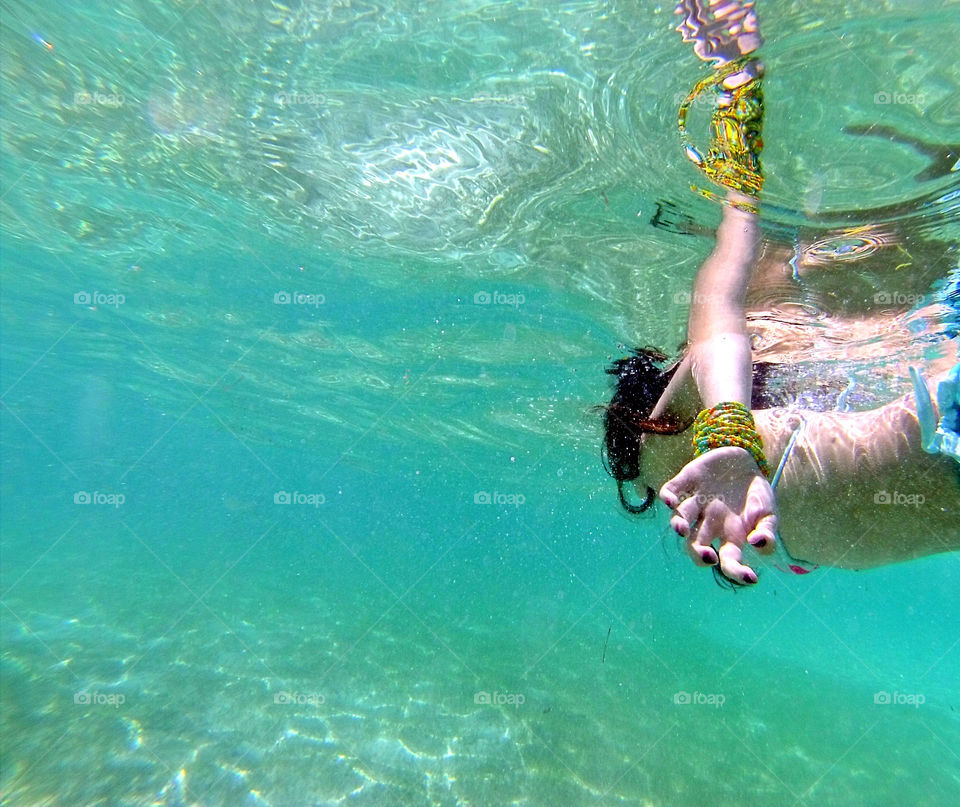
x: 720, y: 350
x: 722, y: 368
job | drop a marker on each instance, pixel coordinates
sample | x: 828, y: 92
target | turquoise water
x: 370, y: 259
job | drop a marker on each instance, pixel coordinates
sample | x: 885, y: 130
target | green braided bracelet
x: 728, y: 424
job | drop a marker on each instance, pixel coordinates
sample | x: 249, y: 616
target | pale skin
x: 828, y: 495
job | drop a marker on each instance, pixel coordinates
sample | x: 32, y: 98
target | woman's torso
x: 856, y: 491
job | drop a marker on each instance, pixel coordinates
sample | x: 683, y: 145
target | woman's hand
x: 723, y: 494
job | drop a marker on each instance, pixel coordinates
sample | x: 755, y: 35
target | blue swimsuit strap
x: 794, y: 565
x: 786, y: 454
x: 939, y: 436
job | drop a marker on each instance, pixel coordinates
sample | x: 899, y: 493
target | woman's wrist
x: 729, y: 423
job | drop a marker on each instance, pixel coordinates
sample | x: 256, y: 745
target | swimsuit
x: 939, y: 436
x: 942, y: 436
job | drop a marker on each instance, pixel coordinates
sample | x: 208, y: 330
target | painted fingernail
x: 759, y: 542
x: 749, y: 579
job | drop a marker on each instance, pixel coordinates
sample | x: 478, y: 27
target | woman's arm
x: 718, y: 359
x: 723, y: 493
x: 717, y: 332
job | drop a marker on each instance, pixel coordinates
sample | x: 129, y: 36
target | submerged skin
x: 831, y: 496
x: 826, y: 502
x: 831, y: 508
x: 738, y: 504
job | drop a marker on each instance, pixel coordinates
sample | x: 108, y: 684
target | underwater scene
x: 308, y: 309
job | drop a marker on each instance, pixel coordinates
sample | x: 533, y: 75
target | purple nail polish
x: 760, y: 542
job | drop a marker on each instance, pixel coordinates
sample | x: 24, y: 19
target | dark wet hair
x: 641, y: 380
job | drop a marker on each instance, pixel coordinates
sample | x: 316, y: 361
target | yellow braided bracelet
x: 733, y: 159
x: 728, y: 424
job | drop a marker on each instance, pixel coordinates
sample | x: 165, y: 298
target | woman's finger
x: 700, y: 551
x: 671, y: 494
x: 763, y: 537
x: 685, y: 515
x: 731, y: 566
